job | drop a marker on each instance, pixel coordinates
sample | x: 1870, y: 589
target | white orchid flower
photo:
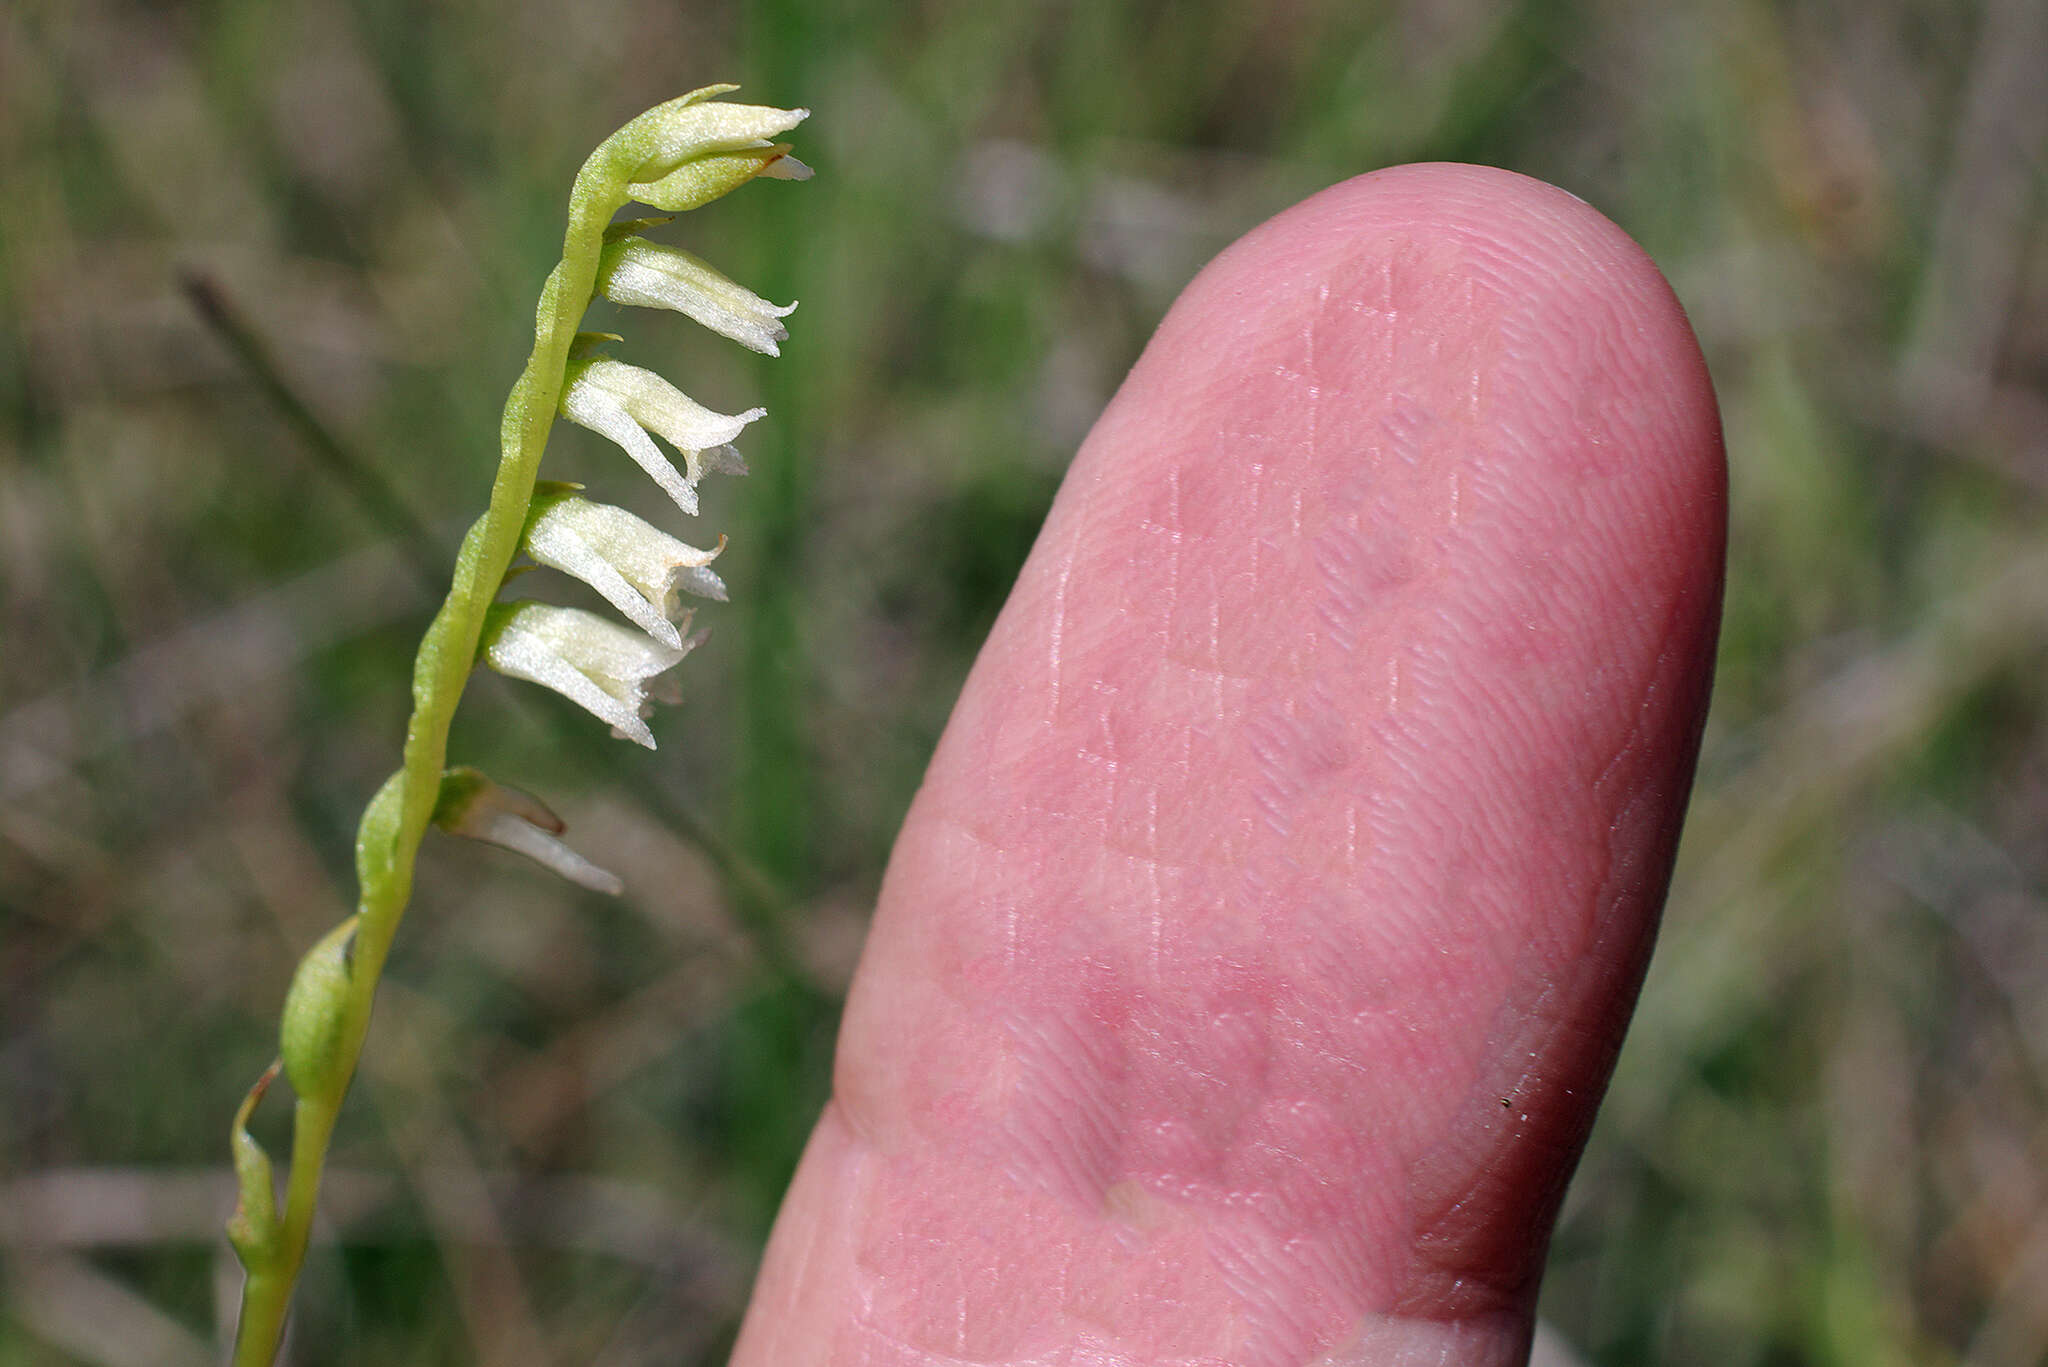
x: 646, y: 274
x: 597, y: 664
x: 623, y: 402
x: 640, y: 570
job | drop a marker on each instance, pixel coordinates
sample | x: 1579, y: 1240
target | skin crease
x: 1256, y: 952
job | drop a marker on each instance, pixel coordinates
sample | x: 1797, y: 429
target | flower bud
x: 696, y: 127
x: 598, y: 665
x: 691, y: 150
x: 377, y: 833
x: 648, y: 275
x: 471, y: 805
x: 699, y: 182
x: 638, y: 568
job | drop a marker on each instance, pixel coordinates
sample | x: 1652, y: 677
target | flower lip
x: 786, y: 167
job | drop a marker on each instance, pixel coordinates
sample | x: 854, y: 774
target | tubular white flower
x: 472, y: 805
x: 620, y: 400
x: 596, y: 664
x: 639, y: 569
x: 648, y: 275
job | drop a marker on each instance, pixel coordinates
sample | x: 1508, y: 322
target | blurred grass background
x: 1826, y: 1143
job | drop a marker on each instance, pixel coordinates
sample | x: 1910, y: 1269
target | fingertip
x: 1445, y: 258
x: 1282, y: 883
x: 1389, y: 582
x: 1424, y: 373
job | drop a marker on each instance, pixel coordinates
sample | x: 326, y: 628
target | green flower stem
x: 267, y: 1294
x: 321, y: 1057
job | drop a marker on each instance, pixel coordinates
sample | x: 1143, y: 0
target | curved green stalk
x: 676, y: 156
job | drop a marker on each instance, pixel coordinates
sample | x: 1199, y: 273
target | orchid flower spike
x: 599, y: 665
x: 676, y: 156
x: 471, y: 805
x: 639, y: 569
x: 646, y: 274
x: 621, y: 401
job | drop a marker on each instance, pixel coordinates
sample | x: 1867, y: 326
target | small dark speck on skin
x: 1506, y: 1105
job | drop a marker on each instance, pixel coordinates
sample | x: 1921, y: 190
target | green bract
x: 676, y: 156
x: 253, y: 1229
x: 316, y: 1015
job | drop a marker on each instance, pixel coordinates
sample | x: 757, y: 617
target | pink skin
x: 1255, y: 955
